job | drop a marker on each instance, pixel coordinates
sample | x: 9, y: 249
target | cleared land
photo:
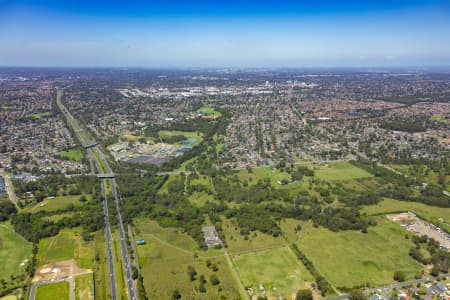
x: 209, y: 111
x: 59, y: 202
x: 277, y: 270
x: 54, y: 291
x: 430, y: 213
x: 340, y: 171
x: 39, y: 115
x: 72, y: 154
x: 349, y: 258
x: 84, y: 287
x: 67, y: 244
x: 257, y: 240
x: 14, y: 252
x: 171, y: 252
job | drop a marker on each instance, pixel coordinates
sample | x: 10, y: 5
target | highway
x: 79, y: 133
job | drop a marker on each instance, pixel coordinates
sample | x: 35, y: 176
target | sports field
x: 59, y: 202
x: 54, y: 291
x: 171, y: 252
x: 277, y: 270
x: 14, y: 252
x: 193, y: 137
x: 72, y: 154
x: 39, y: 115
x: 209, y: 111
x: 67, y: 244
x: 349, y: 258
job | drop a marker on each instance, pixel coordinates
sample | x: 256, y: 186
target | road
x: 385, y: 289
x: 83, y: 139
x: 95, y: 153
x: 71, y: 281
x: 10, y: 190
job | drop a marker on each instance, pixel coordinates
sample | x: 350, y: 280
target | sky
x: 231, y: 33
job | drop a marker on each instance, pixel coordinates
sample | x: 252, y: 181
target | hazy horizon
x: 261, y: 34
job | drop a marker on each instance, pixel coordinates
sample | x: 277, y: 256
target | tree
x: 356, y: 295
x: 176, y: 295
x: 214, y: 280
x: 134, y: 273
x: 305, y: 294
x: 191, y: 272
x: 399, y: 276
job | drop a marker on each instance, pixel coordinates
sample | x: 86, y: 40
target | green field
x: 278, y: 270
x: 195, y: 136
x: 53, y: 291
x: 101, y: 280
x: 75, y: 154
x: 340, y: 171
x: 257, y: 240
x: 207, y: 110
x: 84, y: 287
x: 171, y: 253
x: 67, y: 244
x: 59, y: 202
x: 39, y: 115
x: 349, y: 258
x: 431, y: 213
x: 14, y: 251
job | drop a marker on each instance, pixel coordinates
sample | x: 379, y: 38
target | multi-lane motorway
x: 96, y: 156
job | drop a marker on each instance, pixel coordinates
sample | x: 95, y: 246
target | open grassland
x: 430, y: 213
x: 199, y: 199
x: 75, y: 154
x: 277, y: 270
x: 209, y: 111
x: 101, y: 280
x: 350, y: 258
x: 171, y: 252
x: 39, y: 115
x: 14, y: 250
x: 67, y: 244
x: 118, y: 266
x: 9, y: 297
x: 59, y: 202
x: 84, y: 287
x: 340, y: 171
x: 189, y: 135
x: 257, y: 240
x: 53, y: 291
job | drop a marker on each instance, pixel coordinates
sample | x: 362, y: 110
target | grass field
x: 199, y: 199
x: 278, y: 270
x: 340, y: 171
x: 39, y: 115
x: 209, y: 111
x: 197, y: 139
x: 54, y: 291
x: 118, y: 266
x: 101, y: 280
x: 171, y: 254
x: 59, y: 202
x: 14, y: 250
x: 75, y: 154
x: 67, y: 244
x: 84, y: 287
x: 350, y: 258
x: 431, y: 213
x: 257, y: 240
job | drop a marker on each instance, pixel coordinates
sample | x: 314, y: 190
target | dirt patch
x: 58, y: 270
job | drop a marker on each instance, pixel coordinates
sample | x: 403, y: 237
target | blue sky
x: 225, y: 33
